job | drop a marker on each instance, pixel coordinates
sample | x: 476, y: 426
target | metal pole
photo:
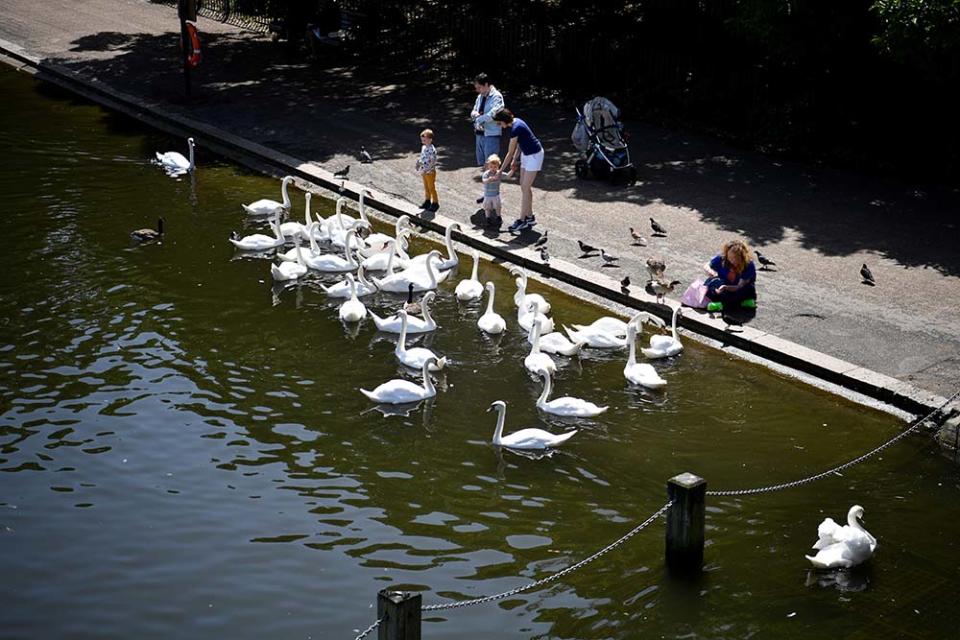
x: 399, y: 613
x: 186, y: 10
x: 685, y: 523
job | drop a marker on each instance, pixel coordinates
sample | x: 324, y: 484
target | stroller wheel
x: 582, y: 169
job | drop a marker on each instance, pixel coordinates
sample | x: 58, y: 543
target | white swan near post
x: 491, y: 322
x: 665, y: 346
x: 566, y: 405
x: 843, y: 547
x: 641, y: 373
x: 403, y: 391
x: 470, y: 289
x: 415, y: 357
x: 525, y: 438
x: 266, y: 206
x: 174, y: 162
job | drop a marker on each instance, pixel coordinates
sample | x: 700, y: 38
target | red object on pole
x: 195, y: 54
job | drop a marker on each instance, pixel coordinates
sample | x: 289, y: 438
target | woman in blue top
x: 530, y: 161
x: 733, y: 277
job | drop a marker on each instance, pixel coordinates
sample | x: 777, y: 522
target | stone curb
x: 765, y: 345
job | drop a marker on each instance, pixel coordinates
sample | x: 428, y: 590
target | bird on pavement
x: 541, y: 241
x: 867, y: 276
x: 661, y: 288
x: 342, y: 173
x: 608, y: 260
x: 586, y: 248
x: 765, y: 262
x: 544, y: 255
x: 625, y: 284
x: 638, y: 240
x: 365, y: 157
x: 657, y: 228
x: 656, y: 267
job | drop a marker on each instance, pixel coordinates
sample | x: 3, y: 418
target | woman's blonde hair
x: 739, y: 249
x: 493, y: 158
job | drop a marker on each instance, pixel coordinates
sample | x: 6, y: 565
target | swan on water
x: 289, y: 270
x: 174, y: 162
x: 302, y: 229
x: 665, y: 346
x: 332, y: 263
x: 452, y: 259
x: 362, y: 286
x: 386, y: 260
x: 470, y: 289
x: 491, y: 322
x: 266, y: 207
x: 521, y: 298
x: 843, y: 547
x: 352, y: 310
x: 403, y: 391
x: 598, y: 338
x: 149, y: 235
x: 312, y: 251
x: 642, y: 373
x: 606, y: 324
x: 421, y: 279
x: 526, y: 316
x: 259, y: 241
x: 565, y: 406
x: 415, y: 357
x: 525, y: 438
x: 537, y: 362
x: 553, y: 342
x: 393, y: 324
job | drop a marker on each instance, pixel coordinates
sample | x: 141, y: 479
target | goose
x: 470, y: 289
x: 537, y: 361
x: 403, y: 391
x: 452, y: 258
x: 526, y: 316
x: 174, y: 162
x: 289, y: 270
x: 362, y: 286
x: 525, y: 438
x: 421, y: 279
x: 149, y: 235
x: 414, y: 358
x: 331, y: 263
x: 491, y: 322
x: 352, y: 310
x: 666, y: 346
x: 294, y: 229
x: 393, y: 324
x: 266, y: 207
x: 259, y: 241
x: 521, y: 296
x: 642, y: 373
x: 554, y: 342
x: 410, y: 306
x: 565, y: 406
x: 843, y: 547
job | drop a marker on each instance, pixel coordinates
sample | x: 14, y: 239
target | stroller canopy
x: 600, y: 120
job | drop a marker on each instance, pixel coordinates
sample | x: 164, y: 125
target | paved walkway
x: 818, y: 224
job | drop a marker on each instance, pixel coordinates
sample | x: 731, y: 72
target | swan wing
x: 569, y: 406
x: 644, y: 375
x: 828, y: 533
x: 396, y: 392
x: 845, y: 554
x: 528, y: 439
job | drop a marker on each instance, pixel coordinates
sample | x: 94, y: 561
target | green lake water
x: 184, y: 452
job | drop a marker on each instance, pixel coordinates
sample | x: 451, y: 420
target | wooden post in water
x: 399, y: 613
x: 685, y: 523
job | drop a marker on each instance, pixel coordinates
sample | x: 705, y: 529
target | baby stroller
x: 599, y: 138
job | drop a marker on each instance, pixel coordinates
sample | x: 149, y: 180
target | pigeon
x: 638, y: 240
x: 342, y: 173
x: 765, y: 262
x: 867, y: 276
x: 586, y: 248
x: 625, y: 283
x: 544, y: 255
x: 661, y: 288
x: 365, y: 157
x: 656, y: 267
x: 608, y: 260
x: 541, y: 241
x: 657, y: 228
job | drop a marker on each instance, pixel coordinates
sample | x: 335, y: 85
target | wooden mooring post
x: 399, y: 615
x: 685, y: 523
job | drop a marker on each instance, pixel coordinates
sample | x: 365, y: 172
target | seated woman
x: 732, y: 277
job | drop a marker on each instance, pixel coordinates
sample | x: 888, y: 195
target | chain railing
x: 366, y: 632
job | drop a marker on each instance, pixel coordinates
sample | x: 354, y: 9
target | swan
x: 537, y: 362
x: 526, y: 316
x: 289, y: 270
x: 491, y: 322
x: 174, y: 162
x: 393, y: 324
x: 414, y: 358
x: 643, y: 373
x: 452, y: 259
x: 259, y: 241
x: 411, y: 307
x: 525, y: 438
x: 607, y: 324
x: 421, y: 279
x: 333, y: 220
x: 149, y: 235
x: 313, y: 250
x: 565, y: 406
x: 352, y: 310
x: 337, y: 234
x: 843, y: 547
x: 377, y: 242
x: 293, y: 229
x: 600, y: 339
x: 521, y: 298
x: 266, y: 207
x: 554, y: 342
x: 363, y: 287
x: 470, y: 289
x: 403, y: 391
x: 331, y: 263
x: 666, y: 346
x: 385, y: 260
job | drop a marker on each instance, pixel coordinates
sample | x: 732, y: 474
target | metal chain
x: 837, y: 469
x: 365, y: 632
x: 554, y: 576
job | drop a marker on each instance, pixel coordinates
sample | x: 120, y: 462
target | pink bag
x: 695, y: 296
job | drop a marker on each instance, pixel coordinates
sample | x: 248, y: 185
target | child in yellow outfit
x: 427, y: 168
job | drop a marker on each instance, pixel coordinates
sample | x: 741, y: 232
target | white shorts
x: 532, y: 163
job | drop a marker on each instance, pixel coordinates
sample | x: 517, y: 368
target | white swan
x: 377, y: 242
x: 421, y: 279
x: 452, y: 259
x: 470, y: 289
x: 362, y: 287
x: 259, y: 241
x: 403, y: 391
x: 600, y: 339
x: 337, y: 234
x: 174, y: 162
x: 665, y: 346
x: 313, y: 250
x: 526, y: 317
x: 491, y: 322
x: 642, y: 373
x: 352, y: 310
x: 606, y: 324
x: 302, y: 229
x: 554, y: 342
x: 332, y: 263
x: 266, y: 207
x: 521, y: 298
x: 393, y: 324
x: 386, y: 260
x: 289, y: 270
x: 525, y: 438
x: 537, y: 362
x: 414, y: 358
x: 565, y: 406
x: 843, y: 547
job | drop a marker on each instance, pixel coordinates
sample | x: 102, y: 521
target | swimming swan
x: 491, y: 322
x: 414, y: 358
x: 521, y: 298
x: 174, y: 162
x: 363, y: 287
x: 259, y: 241
x: 642, y: 373
x: 452, y: 259
x: 525, y: 438
x: 289, y: 270
x: 266, y: 207
x: 843, y: 547
x: 537, y: 362
x: 293, y: 229
x: 565, y: 406
x: 598, y: 338
x: 393, y: 324
x: 421, y: 279
x: 403, y: 391
x: 526, y: 316
x: 470, y: 289
x: 554, y: 342
x: 607, y: 324
x: 352, y: 310
x: 332, y: 263
x: 665, y: 346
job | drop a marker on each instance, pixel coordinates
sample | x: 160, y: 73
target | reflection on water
x: 184, y: 450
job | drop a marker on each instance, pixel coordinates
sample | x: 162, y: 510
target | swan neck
x: 363, y: 212
x: 501, y: 417
x: 535, y: 327
x: 476, y: 266
x: 392, y: 248
x: 286, y: 196
x: 191, y: 155
x: 547, y: 387
x: 430, y: 272
x: 489, y: 301
x: 448, y: 240
x: 425, y: 311
x: 402, y: 342
x: 673, y: 328
x: 314, y: 247
x: 427, y: 382
x: 632, y: 339
x: 347, y: 245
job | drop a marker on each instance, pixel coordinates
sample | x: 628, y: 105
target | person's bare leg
x: 526, y: 192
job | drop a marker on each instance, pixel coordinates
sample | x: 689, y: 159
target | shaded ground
x: 818, y: 224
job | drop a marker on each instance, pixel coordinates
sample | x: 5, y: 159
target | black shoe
x: 480, y: 200
x: 516, y: 224
x: 496, y: 223
x: 434, y: 206
x: 425, y: 205
x: 528, y: 223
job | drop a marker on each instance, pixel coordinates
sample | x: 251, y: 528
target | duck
x: 299, y: 229
x: 470, y: 289
x: 521, y: 297
x: 421, y: 279
x: 393, y: 324
x: 332, y: 263
x: 525, y: 438
x: 289, y: 270
x: 362, y: 286
x: 174, y: 162
x: 843, y: 547
x: 452, y: 259
x: 403, y: 391
x: 149, y: 235
x: 259, y: 241
x: 642, y: 373
x: 352, y: 310
x: 554, y: 342
x: 414, y: 358
x: 565, y: 406
x: 411, y: 307
x: 526, y: 317
x: 661, y: 288
x: 537, y: 361
x: 266, y: 207
x: 491, y: 322
x: 665, y: 346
